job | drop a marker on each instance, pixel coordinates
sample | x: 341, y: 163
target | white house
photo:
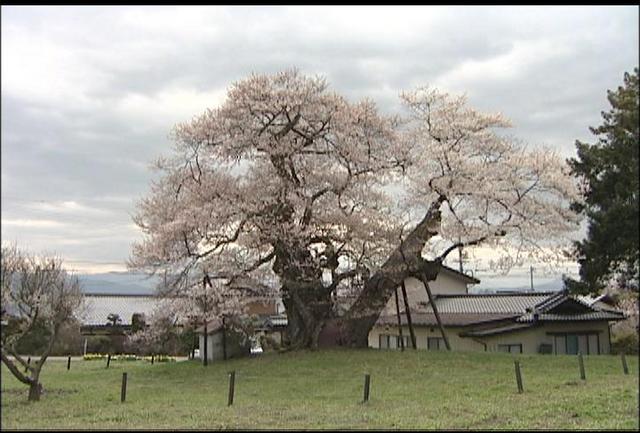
x: 549, y: 322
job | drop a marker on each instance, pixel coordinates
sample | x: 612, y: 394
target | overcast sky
x: 89, y: 94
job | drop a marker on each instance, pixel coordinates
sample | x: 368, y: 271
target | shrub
x: 626, y: 343
x: 125, y: 357
x: 94, y: 356
x: 159, y: 358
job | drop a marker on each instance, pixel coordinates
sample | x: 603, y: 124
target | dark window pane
x: 572, y: 344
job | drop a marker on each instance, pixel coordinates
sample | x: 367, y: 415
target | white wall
x: 529, y: 338
x: 445, y: 284
x: 214, y: 346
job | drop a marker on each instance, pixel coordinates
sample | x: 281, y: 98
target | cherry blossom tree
x: 286, y: 179
x: 469, y: 186
x: 35, y: 290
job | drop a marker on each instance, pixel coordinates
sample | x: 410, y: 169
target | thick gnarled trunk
x: 308, y: 308
x: 307, y: 302
x: 309, y: 305
x: 405, y: 261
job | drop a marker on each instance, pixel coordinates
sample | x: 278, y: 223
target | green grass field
x: 308, y: 390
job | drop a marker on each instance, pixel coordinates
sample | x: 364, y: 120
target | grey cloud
x: 92, y: 148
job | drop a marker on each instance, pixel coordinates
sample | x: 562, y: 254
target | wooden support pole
x: 205, y: 360
x: 518, y: 377
x: 581, y: 362
x: 625, y: 368
x: 224, y: 339
x: 68, y: 363
x: 425, y: 282
x: 108, y: 360
x: 399, y: 321
x: 232, y: 384
x: 367, y: 382
x: 408, y: 313
x: 123, y: 389
x: 152, y: 358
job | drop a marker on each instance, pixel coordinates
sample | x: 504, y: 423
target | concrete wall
x: 530, y: 339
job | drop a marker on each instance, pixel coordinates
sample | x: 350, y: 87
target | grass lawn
x: 419, y: 390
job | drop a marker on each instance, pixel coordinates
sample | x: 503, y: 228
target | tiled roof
x: 455, y: 319
x: 488, y: 304
x: 98, y: 307
x: 468, y: 309
x: 496, y: 330
x: 596, y: 315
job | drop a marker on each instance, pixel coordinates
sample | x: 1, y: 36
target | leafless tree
x: 36, y: 290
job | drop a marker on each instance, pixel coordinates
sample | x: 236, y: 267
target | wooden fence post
x: 152, y: 358
x: 108, y: 360
x: 625, y: 368
x: 519, y: 377
x: 123, y: 390
x: 68, y: 363
x: 581, y: 362
x: 367, y: 381
x: 232, y: 383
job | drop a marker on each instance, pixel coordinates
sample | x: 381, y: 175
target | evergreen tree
x: 608, y: 172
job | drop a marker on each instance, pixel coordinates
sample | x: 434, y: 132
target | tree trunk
x: 205, y: 359
x: 407, y: 312
x: 307, y: 302
x: 309, y: 305
x: 399, y: 320
x: 425, y: 281
x: 307, y: 310
x: 406, y: 260
x: 35, y: 390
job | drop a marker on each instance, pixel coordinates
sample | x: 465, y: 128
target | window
x: 393, y: 341
x: 384, y: 341
x: 434, y: 343
x: 407, y: 342
x: 511, y: 348
x: 572, y: 344
x: 580, y: 342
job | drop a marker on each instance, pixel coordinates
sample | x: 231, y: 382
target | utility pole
x: 531, y: 272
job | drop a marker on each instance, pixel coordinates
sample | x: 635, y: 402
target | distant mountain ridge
x: 118, y: 283
x: 123, y: 283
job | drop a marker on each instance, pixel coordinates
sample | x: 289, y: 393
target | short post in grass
x: 518, y: 377
x: 232, y: 383
x: 625, y: 368
x: 152, y: 358
x: 108, y: 360
x: 367, y: 382
x: 581, y: 362
x: 123, y: 389
x: 68, y: 363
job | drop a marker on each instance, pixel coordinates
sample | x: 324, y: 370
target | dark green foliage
x: 35, y: 341
x: 626, y: 343
x: 608, y: 172
x: 188, y: 339
x: 137, y: 322
x: 103, y: 344
x: 113, y: 319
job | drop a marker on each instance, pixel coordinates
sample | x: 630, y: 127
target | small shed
x: 223, y: 342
